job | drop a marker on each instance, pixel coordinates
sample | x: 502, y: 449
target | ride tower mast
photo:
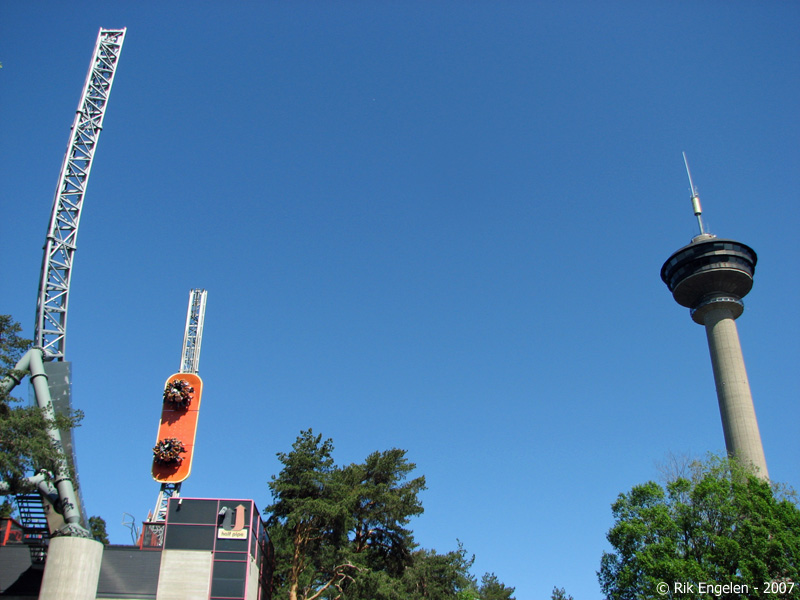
x: 179, y: 416
x: 73, y: 556
x: 51, y: 381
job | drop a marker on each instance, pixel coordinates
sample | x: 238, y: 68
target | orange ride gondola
x: 178, y: 421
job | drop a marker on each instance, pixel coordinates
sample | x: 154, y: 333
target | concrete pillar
x: 185, y: 575
x: 742, y: 438
x: 72, y: 569
x: 253, y: 579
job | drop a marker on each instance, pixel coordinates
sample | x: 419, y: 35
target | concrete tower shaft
x: 739, y: 423
x: 710, y: 276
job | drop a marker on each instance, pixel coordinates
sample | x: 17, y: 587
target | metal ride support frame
x: 59, y: 251
x: 190, y: 361
x: 193, y: 336
x: 51, y: 306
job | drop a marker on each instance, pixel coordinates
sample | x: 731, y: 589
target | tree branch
x: 338, y: 574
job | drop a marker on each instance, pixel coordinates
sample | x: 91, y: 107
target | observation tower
x: 710, y: 277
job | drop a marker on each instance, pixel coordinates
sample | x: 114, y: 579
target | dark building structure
x: 207, y: 549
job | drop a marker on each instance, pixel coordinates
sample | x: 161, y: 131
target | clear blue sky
x: 429, y: 225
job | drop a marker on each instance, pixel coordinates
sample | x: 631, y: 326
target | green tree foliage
x: 439, y: 576
x: 97, y: 528
x: 428, y: 576
x: 721, y: 524
x: 493, y: 589
x: 25, y: 446
x: 331, y: 524
x: 560, y: 594
x: 342, y: 532
x: 12, y: 347
x: 308, y: 519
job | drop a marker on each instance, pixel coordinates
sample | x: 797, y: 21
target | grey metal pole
x: 32, y: 363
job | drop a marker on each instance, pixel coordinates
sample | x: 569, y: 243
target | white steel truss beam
x: 193, y: 335
x: 51, y: 307
x: 168, y: 490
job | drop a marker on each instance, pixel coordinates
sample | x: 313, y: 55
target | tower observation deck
x: 710, y: 277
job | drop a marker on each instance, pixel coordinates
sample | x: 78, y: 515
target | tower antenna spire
x: 698, y: 210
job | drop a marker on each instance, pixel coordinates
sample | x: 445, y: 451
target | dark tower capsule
x: 710, y: 273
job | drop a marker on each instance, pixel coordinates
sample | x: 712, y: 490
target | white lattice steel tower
x: 193, y: 334
x: 73, y: 557
x: 59, y: 250
x: 51, y: 307
x: 710, y: 276
x: 190, y: 363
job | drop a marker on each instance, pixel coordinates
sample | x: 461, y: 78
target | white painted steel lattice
x: 193, y: 336
x: 168, y: 490
x: 190, y: 363
x: 51, y: 307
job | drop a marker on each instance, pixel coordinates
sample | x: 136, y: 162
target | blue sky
x: 429, y: 225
